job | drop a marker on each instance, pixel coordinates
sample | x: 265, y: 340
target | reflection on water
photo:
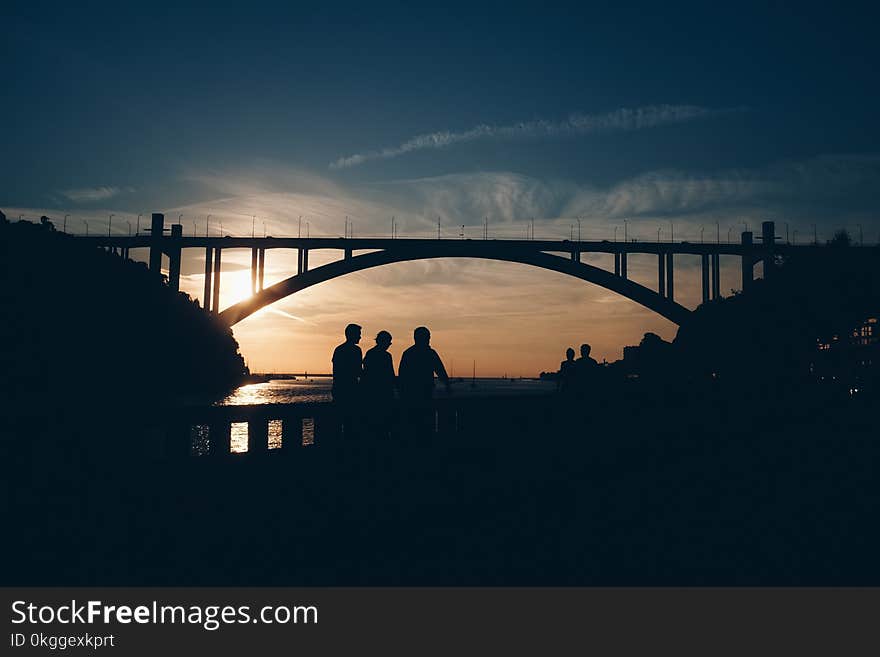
x: 239, y: 437
x: 288, y: 391
x: 275, y: 428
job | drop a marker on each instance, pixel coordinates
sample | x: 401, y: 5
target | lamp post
x: 65, y: 223
x: 625, y: 231
x: 109, y: 225
x: 787, y: 241
x: 718, y: 232
x: 87, y: 227
x: 129, y: 227
x: 659, y: 228
x: 579, y: 229
x: 207, y: 225
x: 728, y: 234
x: 194, y: 228
x: 671, y: 232
x: 615, y: 233
x: 299, y: 232
x: 137, y: 230
x: 702, y: 228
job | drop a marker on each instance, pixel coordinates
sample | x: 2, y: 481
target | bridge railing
x: 248, y: 432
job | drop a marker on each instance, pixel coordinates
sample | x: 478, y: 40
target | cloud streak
x: 91, y: 194
x: 620, y: 120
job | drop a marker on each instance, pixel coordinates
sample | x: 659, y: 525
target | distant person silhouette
x: 418, y: 365
x: 565, y: 378
x: 347, y: 372
x: 377, y: 384
x: 586, y: 370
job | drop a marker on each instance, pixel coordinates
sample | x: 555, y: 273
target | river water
x: 287, y: 391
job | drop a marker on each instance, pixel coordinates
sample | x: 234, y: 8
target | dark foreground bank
x: 633, y: 486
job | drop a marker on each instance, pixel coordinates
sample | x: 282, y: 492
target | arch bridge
x: 563, y: 256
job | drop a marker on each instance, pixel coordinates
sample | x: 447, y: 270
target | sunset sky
x: 701, y: 118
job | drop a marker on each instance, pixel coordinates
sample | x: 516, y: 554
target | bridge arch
x: 667, y: 308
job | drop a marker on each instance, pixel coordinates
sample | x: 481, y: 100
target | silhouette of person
x: 565, y: 378
x: 586, y: 369
x: 377, y: 383
x: 418, y: 365
x: 347, y: 372
x: 378, y: 374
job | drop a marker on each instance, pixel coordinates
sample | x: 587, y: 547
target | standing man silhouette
x: 586, y: 370
x: 346, y: 376
x: 418, y: 364
x: 377, y: 386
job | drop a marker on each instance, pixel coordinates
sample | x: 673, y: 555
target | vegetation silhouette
x: 88, y: 329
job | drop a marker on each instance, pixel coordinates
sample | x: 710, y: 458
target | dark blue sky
x: 129, y: 97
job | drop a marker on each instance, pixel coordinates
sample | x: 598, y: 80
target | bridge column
x: 617, y: 264
x: 299, y: 261
x: 623, y: 264
x: 748, y: 273
x: 206, y: 297
x: 670, y: 276
x: 768, y: 239
x: 348, y: 254
x: 261, y: 266
x: 576, y: 256
x: 253, y: 270
x: 704, y: 262
x: 661, y: 274
x: 215, y: 302
x: 716, y: 276
x: 157, y: 230
x: 174, y: 257
x: 305, y: 255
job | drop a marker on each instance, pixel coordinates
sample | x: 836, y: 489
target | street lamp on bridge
x: 207, y: 224
x: 129, y: 227
x: 65, y: 223
x: 87, y: 227
x: 138, y: 228
x: 109, y: 225
x: 253, y: 225
x: 625, y: 232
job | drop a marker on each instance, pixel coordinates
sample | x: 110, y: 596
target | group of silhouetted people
x: 577, y: 377
x: 364, y: 385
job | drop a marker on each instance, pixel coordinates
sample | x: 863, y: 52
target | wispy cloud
x: 91, y: 194
x: 621, y: 120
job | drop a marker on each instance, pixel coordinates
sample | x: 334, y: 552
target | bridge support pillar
x: 704, y: 266
x: 348, y: 254
x: 768, y: 239
x: 623, y: 264
x: 661, y: 274
x: 299, y: 261
x: 261, y: 266
x: 253, y: 270
x: 670, y: 276
x: 617, y: 264
x: 576, y: 256
x: 157, y: 229
x: 716, y: 276
x: 206, y: 297
x: 748, y: 262
x: 215, y: 301
x: 305, y: 257
x: 174, y: 257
